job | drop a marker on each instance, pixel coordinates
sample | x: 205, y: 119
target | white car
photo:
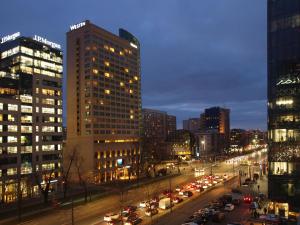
x: 181, y: 192
x: 144, y: 204
x: 229, y: 207
x: 111, y: 216
x: 178, y: 189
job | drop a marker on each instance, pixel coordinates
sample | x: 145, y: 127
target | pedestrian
x: 265, y: 211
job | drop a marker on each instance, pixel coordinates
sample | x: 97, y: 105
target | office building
x: 284, y: 105
x: 192, y: 124
x: 157, y: 125
x: 30, y: 115
x: 103, y: 102
x: 217, y: 119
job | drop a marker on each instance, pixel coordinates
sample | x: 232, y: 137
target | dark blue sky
x: 195, y: 53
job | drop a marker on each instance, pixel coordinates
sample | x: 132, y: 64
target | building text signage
x: 10, y: 37
x: 45, y: 41
x: 76, y: 26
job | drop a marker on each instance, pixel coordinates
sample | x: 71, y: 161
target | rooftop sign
x: 45, y: 41
x: 10, y: 37
x: 78, y: 25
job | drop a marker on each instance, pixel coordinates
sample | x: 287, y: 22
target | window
x: 11, y: 118
x: 26, y: 109
x: 12, y: 149
x: 12, y: 107
x: 11, y: 171
x: 26, y: 98
x: 26, y: 129
x: 48, y: 129
x: 46, y: 148
x: 12, y: 128
x: 59, y: 111
x: 26, y: 119
x: 48, y: 101
x: 1, y: 106
x: 12, y: 139
x: 10, y: 52
x: 48, y: 110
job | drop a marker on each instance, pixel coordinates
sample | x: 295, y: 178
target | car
x: 127, y: 216
x: 181, y: 192
x: 187, y: 194
x: 178, y: 189
x: 229, y: 207
x: 129, y: 209
x: 177, y: 200
x: 247, y: 199
x: 200, y: 189
x: 133, y: 221
x: 151, y: 212
x: 111, y: 216
x: 144, y: 204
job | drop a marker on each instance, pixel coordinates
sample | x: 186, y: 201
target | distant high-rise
x: 104, y: 101
x: 284, y: 104
x: 30, y: 115
x: 217, y: 119
x: 157, y: 125
x: 191, y: 124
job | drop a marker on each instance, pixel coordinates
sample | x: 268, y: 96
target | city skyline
x: 179, y: 72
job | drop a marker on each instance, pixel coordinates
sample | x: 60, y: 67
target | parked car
x: 177, y: 200
x: 187, y: 194
x: 129, y: 208
x: 133, y: 221
x: 144, y: 204
x: 151, y: 212
x: 229, y: 207
x: 111, y: 216
x: 200, y: 189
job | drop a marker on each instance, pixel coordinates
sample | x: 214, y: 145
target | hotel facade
x: 103, y: 102
x: 30, y: 115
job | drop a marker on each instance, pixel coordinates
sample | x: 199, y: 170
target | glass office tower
x: 284, y: 104
x: 30, y: 115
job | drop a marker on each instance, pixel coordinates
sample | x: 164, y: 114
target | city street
x: 93, y: 212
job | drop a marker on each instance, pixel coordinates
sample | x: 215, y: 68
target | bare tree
x: 45, y: 187
x: 83, y: 178
x: 66, y: 172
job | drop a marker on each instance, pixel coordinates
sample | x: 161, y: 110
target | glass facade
x: 30, y: 116
x: 284, y: 100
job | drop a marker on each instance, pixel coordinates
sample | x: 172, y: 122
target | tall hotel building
x: 30, y: 114
x: 103, y: 102
x: 284, y: 105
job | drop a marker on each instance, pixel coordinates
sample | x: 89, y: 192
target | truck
x: 164, y: 203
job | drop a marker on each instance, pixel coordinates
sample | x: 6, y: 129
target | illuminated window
x: 12, y: 107
x: 1, y: 106
x: 46, y: 148
x: 107, y: 91
x: 284, y: 101
x: 48, y: 129
x: 135, y: 77
x: 10, y: 118
x: 131, y: 117
x: 106, y: 75
x: 26, y: 109
x: 126, y: 70
x: 121, y: 84
x: 106, y: 63
x: 11, y: 171
x: 112, y: 49
x: 48, y: 101
x: 26, y: 98
x: 59, y: 111
x: 12, y: 128
x: 12, y: 139
x: 26, y: 129
x: 12, y: 150
x: 131, y: 91
x: 95, y: 71
x: 48, y: 92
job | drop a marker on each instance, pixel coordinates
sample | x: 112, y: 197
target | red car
x: 248, y: 199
